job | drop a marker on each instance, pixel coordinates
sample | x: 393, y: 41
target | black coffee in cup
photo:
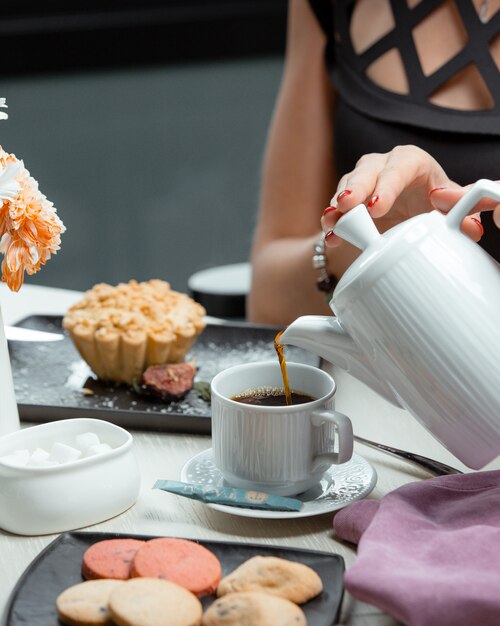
x: 271, y: 396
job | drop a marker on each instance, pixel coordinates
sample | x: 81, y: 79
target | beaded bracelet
x: 325, y: 282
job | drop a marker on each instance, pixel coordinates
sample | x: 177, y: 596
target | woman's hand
x: 396, y: 186
x: 445, y: 198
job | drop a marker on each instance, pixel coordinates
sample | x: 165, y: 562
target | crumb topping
x: 133, y: 308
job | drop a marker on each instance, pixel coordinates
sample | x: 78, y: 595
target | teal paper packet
x: 230, y: 496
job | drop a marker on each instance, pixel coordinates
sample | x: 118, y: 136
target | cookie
x: 268, y: 574
x: 180, y: 561
x: 154, y: 602
x: 86, y: 604
x: 253, y: 609
x: 110, y: 558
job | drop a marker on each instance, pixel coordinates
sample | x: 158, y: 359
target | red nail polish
x: 343, y: 194
x: 329, y: 234
x: 436, y: 189
x: 373, y: 201
x: 476, y: 221
x: 329, y: 210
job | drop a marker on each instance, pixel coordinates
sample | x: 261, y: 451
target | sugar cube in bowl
x: 65, y: 475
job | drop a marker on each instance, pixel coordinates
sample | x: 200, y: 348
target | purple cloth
x: 429, y: 552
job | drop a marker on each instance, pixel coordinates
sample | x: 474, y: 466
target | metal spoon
x: 440, y: 469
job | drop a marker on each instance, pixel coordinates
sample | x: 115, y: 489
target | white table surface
x: 162, y: 455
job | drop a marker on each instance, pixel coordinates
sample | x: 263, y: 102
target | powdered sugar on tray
x: 79, y: 373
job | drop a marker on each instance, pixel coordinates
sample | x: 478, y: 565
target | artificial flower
x: 30, y: 229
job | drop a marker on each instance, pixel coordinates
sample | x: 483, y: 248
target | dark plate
x: 49, y: 378
x: 59, y: 566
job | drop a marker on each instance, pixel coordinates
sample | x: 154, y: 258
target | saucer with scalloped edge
x: 339, y: 486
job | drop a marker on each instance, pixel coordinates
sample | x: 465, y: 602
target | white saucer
x: 340, y: 485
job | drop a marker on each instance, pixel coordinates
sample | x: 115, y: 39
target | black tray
x: 49, y: 378
x: 59, y: 566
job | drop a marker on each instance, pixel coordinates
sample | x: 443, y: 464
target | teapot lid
x: 357, y: 227
x: 379, y: 252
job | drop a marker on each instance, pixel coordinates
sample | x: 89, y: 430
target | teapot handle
x: 483, y: 188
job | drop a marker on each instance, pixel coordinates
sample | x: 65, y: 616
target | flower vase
x: 9, y: 416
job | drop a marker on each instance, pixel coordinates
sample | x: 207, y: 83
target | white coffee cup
x: 283, y: 450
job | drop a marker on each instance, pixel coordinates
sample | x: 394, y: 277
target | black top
x: 372, y: 119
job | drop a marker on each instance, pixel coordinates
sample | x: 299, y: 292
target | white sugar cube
x: 24, y: 454
x: 85, y: 440
x: 39, y: 455
x: 41, y: 462
x: 62, y: 453
x: 16, y: 460
x: 99, y: 448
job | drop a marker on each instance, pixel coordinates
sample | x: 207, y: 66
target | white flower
x: 9, y: 186
x: 3, y: 116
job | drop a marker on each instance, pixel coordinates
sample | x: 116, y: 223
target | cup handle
x: 345, y: 438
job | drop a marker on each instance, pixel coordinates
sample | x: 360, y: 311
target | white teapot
x: 417, y: 318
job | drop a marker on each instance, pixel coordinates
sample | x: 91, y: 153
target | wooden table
x: 161, y: 455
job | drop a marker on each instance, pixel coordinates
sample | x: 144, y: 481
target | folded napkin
x: 429, y: 552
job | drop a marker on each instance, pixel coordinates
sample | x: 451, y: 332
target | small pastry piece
x: 111, y: 558
x: 181, y: 561
x: 154, y: 602
x: 268, y: 574
x: 253, y: 609
x: 171, y: 381
x: 120, y: 331
x: 86, y: 604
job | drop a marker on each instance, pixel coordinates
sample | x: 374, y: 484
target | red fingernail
x: 329, y: 210
x: 476, y: 221
x: 436, y: 189
x: 329, y: 234
x: 343, y: 194
x: 373, y: 201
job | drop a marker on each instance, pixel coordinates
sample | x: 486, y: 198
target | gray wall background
x: 154, y: 171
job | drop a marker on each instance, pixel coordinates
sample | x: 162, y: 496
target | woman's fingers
x: 472, y: 226
x: 330, y: 217
x: 444, y: 199
x: 407, y: 168
x: 379, y: 179
x: 354, y: 188
x: 496, y: 216
x: 358, y: 185
x: 407, y: 180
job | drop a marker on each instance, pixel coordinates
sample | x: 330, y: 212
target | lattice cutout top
x: 417, y: 95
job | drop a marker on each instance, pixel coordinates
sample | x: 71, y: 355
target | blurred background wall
x: 145, y: 125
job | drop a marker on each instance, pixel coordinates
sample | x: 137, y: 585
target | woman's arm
x: 298, y: 179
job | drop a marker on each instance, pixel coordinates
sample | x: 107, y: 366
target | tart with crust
x: 121, y: 330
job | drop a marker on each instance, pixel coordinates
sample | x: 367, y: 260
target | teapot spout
x: 324, y: 336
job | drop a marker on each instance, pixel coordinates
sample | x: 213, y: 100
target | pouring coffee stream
x: 416, y: 319
x: 280, y: 351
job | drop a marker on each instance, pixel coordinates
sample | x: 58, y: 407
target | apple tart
x: 121, y: 330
